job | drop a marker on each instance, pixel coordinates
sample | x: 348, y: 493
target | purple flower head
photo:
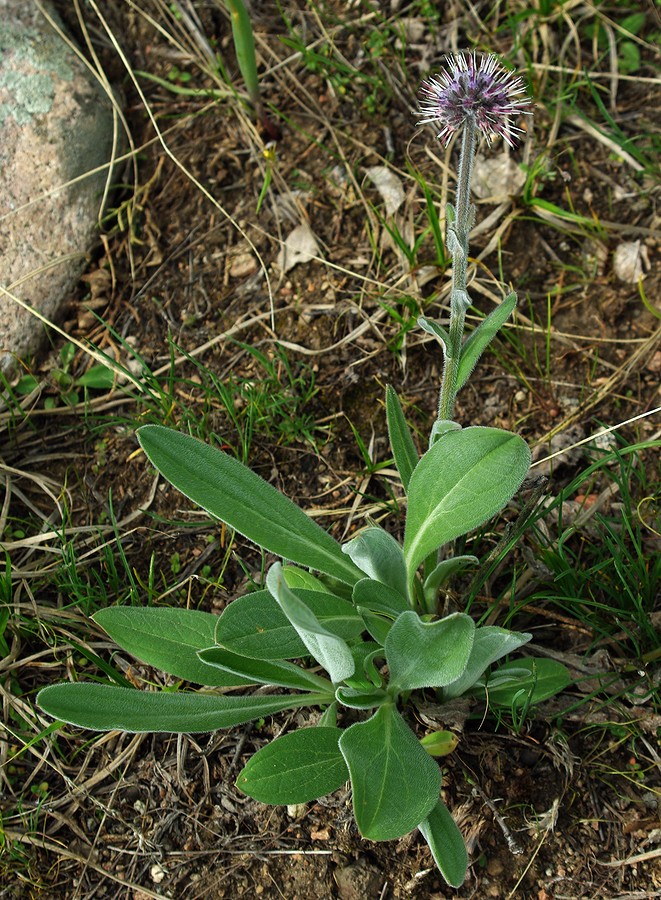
x: 478, y: 88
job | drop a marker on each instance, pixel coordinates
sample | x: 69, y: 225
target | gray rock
x: 56, y: 126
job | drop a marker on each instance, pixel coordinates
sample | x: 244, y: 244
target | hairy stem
x: 458, y: 246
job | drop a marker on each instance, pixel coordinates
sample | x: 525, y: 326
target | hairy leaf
x: 526, y: 682
x: 401, y: 442
x: 491, y: 643
x: 296, y: 767
x: 237, y: 496
x: 167, y: 639
x: 481, y: 337
x: 446, y: 844
x: 255, y: 626
x: 379, y: 556
x: 378, y: 597
x: 462, y: 481
x: 395, y: 782
x: 428, y: 654
x: 327, y: 648
x: 103, y: 707
x: 278, y: 672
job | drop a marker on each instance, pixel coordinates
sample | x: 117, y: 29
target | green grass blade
x: 244, y: 47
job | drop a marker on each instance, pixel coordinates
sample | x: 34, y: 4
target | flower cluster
x: 476, y: 88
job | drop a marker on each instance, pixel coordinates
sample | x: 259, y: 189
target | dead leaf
x: 389, y: 186
x: 299, y: 247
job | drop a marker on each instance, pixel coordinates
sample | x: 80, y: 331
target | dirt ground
x: 568, y: 807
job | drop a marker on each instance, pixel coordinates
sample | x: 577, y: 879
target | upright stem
x: 458, y: 246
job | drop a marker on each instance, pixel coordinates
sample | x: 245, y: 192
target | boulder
x: 56, y: 129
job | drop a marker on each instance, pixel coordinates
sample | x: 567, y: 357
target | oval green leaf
x: 446, y: 844
x: 395, y: 782
x: 168, y: 639
x: 255, y: 626
x: 461, y: 482
x: 428, y: 654
x: 296, y: 767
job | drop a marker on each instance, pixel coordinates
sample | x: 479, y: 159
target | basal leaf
x: 357, y: 699
x: 296, y: 767
x: 491, y: 643
x: 167, y: 639
x: 395, y: 782
x: 237, y: 496
x: 378, y: 597
x: 526, y: 682
x: 259, y: 671
x: 301, y: 578
x: 327, y: 648
x: 446, y: 844
x: 376, y: 553
x: 443, y: 572
x: 255, y: 626
x: 428, y: 654
x: 103, y: 707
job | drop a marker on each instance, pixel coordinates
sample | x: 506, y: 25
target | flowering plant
x: 354, y: 629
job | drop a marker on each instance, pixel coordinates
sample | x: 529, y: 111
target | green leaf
x: 260, y: 671
x: 237, y: 496
x: 327, y: 648
x: 461, y: 481
x: 378, y: 626
x: 401, y: 442
x: 379, y: 556
x: 296, y: 768
x: 634, y: 22
x: 526, y: 682
x: 446, y: 844
x: 437, y: 331
x: 244, y: 47
x: 99, y: 377
x: 103, y: 707
x: 629, y: 58
x: 440, y: 743
x: 428, y: 654
x: 477, y: 342
x: 301, y: 578
x: 361, y: 699
x: 395, y: 782
x: 491, y: 643
x: 167, y: 639
x: 367, y: 675
x: 255, y: 626
x: 444, y: 571
x: 378, y: 597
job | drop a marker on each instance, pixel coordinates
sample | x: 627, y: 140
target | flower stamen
x: 476, y: 88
